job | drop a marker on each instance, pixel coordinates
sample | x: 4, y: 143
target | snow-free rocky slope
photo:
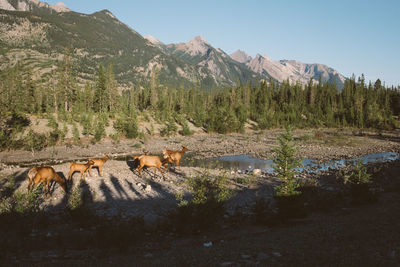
x: 37, y: 35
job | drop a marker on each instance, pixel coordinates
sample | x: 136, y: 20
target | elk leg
x: 47, y: 188
x: 140, y: 170
x: 70, y: 175
x: 29, y: 185
x: 90, y: 168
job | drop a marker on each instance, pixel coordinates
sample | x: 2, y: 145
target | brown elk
x: 31, y: 174
x: 174, y: 156
x: 45, y: 174
x: 98, y: 163
x: 151, y: 161
x: 79, y: 167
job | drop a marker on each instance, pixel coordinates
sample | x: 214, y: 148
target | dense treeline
x: 218, y: 110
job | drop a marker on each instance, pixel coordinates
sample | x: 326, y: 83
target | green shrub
x: 207, y: 205
x: 115, y: 137
x: 223, y: 120
x: 209, y: 189
x: 27, y: 202
x: 127, y: 126
x: 10, y: 125
x: 75, y: 200
x: 360, y: 185
x: 35, y: 141
x: 169, y: 129
x: 52, y: 123
x: 247, y: 180
x: 53, y: 138
x: 185, y: 129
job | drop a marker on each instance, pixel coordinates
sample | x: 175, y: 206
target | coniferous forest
x: 92, y: 104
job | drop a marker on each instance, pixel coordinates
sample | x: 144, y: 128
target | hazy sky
x: 351, y: 36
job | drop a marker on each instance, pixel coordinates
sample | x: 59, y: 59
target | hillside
x: 37, y: 35
x: 39, y: 38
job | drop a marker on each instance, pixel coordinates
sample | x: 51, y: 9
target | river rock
x: 257, y: 172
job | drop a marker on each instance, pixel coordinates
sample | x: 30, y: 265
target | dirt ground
x: 366, y: 235
x: 121, y: 191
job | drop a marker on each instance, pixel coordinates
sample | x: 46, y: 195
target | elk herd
x: 46, y: 174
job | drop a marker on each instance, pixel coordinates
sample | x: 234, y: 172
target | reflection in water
x: 246, y: 162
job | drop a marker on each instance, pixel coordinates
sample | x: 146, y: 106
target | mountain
x: 154, y: 41
x: 293, y: 70
x: 38, y: 35
x: 223, y: 68
x: 37, y: 38
x: 32, y: 5
x: 240, y: 56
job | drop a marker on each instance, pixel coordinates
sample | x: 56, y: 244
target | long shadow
x: 133, y: 164
x: 86, y: 194
x: 117, y: 186
x: 106, y: 191
x: 132, y: 188
x: 20, y: 176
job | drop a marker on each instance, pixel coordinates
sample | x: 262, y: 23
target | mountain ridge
x: 39, y: 31
x: 292, y: 70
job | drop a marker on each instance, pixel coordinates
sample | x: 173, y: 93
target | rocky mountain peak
x: 198, y: 46
x: 240, y: 56
x: 29, y: 5
x: 199, y: 40
x: 60, y: 7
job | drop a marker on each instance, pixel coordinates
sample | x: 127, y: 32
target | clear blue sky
x: 351, y: 36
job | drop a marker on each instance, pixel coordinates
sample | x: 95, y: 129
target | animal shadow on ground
x: 19, y: 177
x: 133, y: 164
x: 118, y: 187
x: 53, y: 184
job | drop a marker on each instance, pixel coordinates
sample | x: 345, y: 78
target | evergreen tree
x: 101, y: 94
x: 111, y: 85
x: 285, y: 164
x: 100, y: 131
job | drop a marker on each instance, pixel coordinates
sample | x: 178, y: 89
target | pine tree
x: 111, y: 86
x: 101, y: 96
x: 100, y: 131
x: 285, y: 164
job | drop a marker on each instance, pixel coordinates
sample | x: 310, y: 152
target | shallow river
x: 246, y: 162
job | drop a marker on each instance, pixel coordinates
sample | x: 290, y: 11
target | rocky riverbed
x: 365, y: 235
x: 121, y: 191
